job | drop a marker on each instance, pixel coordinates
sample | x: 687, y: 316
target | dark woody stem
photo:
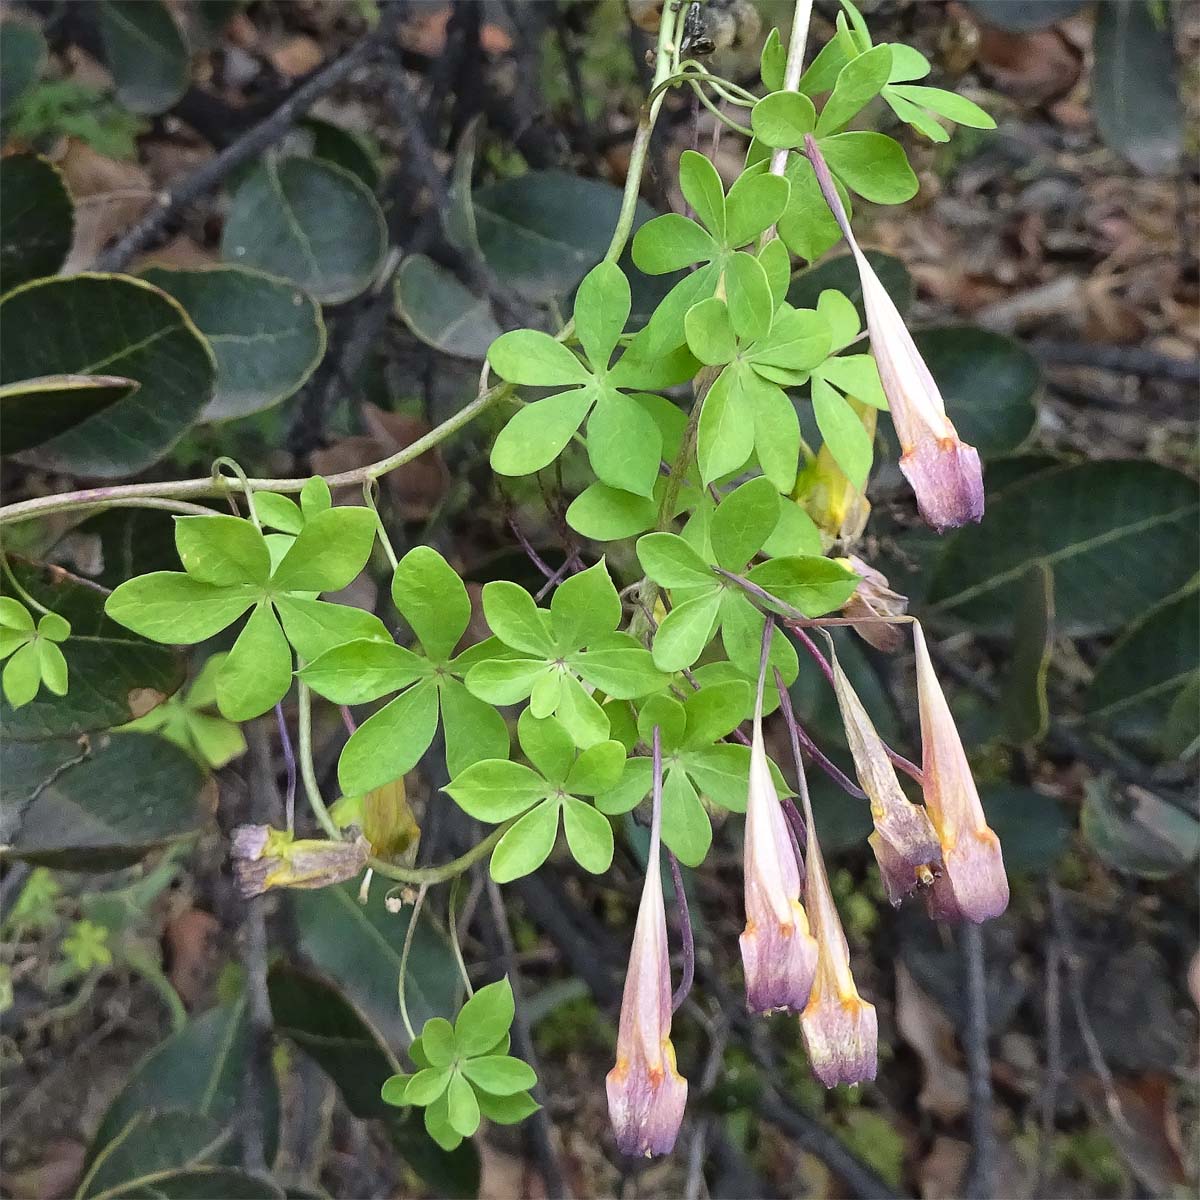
x: 289, y: 758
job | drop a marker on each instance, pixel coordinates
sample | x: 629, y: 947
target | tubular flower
x: 872, y: 604
x: 904, y: 840
x: 778, y: 951
x: 646, y: 1094
x: 942, y: 470
x: 973, y: 886
x: 841, y: 1032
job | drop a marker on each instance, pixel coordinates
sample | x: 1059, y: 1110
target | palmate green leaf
x: 685, y: 825
x: 668, y: 715
x: 843, y: 432
x: 528, y: 356
x: 432, y: 599
x: 540, y: 431
x: 742, y: 626
x: 278, y: 512
x: 813, y: 585
x: 513, y: 616
x: 754, y: 203
x: 702, y: 188
x: 777, y: 266
x: 473, y: 729
x: 773, y: 62
x: 308, y: 221
x: 871, y: 164
x: 222, y: 550
x: 624, y: 444
x: 947, y: 104
x: 709, y: 332
x: 484, y: 1019
x: 618, y: 665
x: 858, y: 82
x: 496, y: 790
x: 601, y: 309
x: 589, y: 835
x: 506, y: 681
x: 22, y: 675
x: 725, y: 436
x: 670, y: 243
x: 781, y: 119
x: 316, y: 626
x: 743, y: 521
x: 527, y: 844
x: 748, y: 292
x: 597, y: 769
x: 686, y: 630
x: 799, y: 339
x: 608, y: 514
x: 499, y: 1075
x: 584, y: 606
x: 462, y: 1108
x: 389, y: 744
x: 776, y: 431
x: 856, y: 375
x: 580, y: 714
x: 360, y: 671
x: 670, y: 561
x: 258, y: 670
x: 172, y: 607
x: 329, y: 552
x: 547, y: 744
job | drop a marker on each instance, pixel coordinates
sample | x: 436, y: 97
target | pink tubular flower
x: 973, y: 886
x: 840, y: 1028
x: 904, y: 841
x: 942, y: 470
x: 646, y: 1094
x: 778, y: 951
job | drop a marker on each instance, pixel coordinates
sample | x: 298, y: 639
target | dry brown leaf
x: 944, y: 1092
x: 1037, y: 67
x: 940, y: 1174
x: 109, y: 196
x: 296, y: 56
x: 53, y: 1178
x: 191, y: 941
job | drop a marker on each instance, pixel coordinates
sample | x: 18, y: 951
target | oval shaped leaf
x: 146, y: 53
x: 441, y: 311
x: 113, y: 325
x: 310, y: 222
x: 37, y: 219
x: 34, y: 410
x: 68, y: 802
x: 267, y: 335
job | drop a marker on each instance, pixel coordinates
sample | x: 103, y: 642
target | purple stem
x: 527, y: 546
x: 685, y: 933
x: 289, y: 758
x: 909, y: 768
x: 348, y: 719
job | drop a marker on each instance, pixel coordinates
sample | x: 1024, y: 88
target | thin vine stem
x: 18, y: 588
x: 409, y: 933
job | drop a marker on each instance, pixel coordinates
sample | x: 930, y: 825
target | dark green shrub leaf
x: 146, y: 53
x: 22, y: 56
x: 1136, y: 832
x: 1139, y: 680
x: 34, y: 410
x: 37, y: 219
x: 441, y: 311
x: 125, y: 327
x: 267, y: 335
x: 1120, y: 536
x: 307, y: 221
x: 70, y: 805
x: 1135, y: 85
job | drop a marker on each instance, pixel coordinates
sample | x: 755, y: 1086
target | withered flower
x: 873, y: 604
x: 265, y: 858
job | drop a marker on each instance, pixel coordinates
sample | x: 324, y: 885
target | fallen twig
x: 980, y: 1181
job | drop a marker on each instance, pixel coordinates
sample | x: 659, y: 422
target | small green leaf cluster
x: 187, y: 719
x: 230, y: 566
x: 34, y: 657
x: 464, y: 1071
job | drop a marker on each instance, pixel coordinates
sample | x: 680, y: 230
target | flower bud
x: 778, y: 951
x: 840, y: 1029
x: 904, y: 841
x: 646, y: 1094
x: 973, y: 886
x: 265, y: 858
x: 839, y: 509
x: 942, y: 470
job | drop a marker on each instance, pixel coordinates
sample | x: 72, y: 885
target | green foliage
x: 71, y: 108
x: 465, y: 1072
x: 36, y: 219
x: 227, y: 571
